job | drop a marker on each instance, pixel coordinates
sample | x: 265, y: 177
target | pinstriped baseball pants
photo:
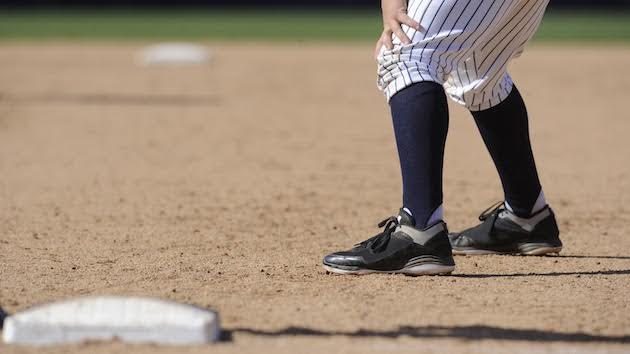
x: 464, y: 45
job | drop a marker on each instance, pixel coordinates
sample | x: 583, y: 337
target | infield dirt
x: 223, y: 185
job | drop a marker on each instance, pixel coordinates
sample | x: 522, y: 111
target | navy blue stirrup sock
x: 505, y: 131
x: 420, y: 117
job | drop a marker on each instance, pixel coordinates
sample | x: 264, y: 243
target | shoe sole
x: 524, y: 249
x: 424, y: 269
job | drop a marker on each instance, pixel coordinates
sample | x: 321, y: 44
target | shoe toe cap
x: 343, y: 259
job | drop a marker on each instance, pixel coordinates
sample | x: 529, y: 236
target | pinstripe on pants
x: 464, y: 45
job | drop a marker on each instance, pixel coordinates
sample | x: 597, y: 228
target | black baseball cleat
x: 400, y: 248
x: 503, y: 232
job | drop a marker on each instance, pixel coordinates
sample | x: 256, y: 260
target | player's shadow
x: 452, y: 332
x: 547, y: 274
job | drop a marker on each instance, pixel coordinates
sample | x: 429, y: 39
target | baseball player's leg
x: 416, y: 240
x: 420, y: 117
x: 505, y: 132
x: 524, y: 223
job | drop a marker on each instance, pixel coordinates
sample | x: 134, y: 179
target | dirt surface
x: 223, y: 185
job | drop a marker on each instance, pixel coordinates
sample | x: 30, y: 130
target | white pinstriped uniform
x: 465, y: 45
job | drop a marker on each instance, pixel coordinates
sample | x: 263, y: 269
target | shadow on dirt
x: 550, y: 274
x: 457, y: 332
x: 590, y: 257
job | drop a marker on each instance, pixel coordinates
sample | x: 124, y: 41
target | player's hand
x: 394, y: 16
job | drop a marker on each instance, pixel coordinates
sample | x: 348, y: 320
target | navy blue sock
x: 504, y: 129
x: 420, y: 116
